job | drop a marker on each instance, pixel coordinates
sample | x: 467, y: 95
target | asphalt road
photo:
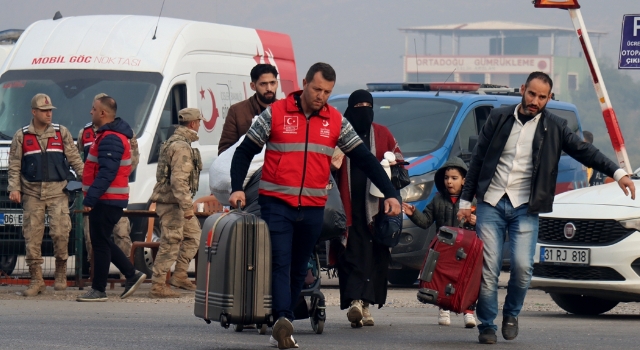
x: 54, y: 321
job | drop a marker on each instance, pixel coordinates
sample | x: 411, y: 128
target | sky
x: 359, y: 38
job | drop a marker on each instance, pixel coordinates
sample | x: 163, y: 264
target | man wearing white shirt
x: 513, y: 175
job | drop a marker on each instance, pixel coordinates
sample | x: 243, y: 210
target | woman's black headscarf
x: 360, y: 117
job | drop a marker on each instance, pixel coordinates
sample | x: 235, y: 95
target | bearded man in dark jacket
x: 513, y: 177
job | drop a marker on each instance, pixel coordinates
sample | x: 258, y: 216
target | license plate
x: 15, y: 219
x: 564, y: 256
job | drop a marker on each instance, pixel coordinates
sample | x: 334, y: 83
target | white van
x: 7, y: 40
x: 4, y: 52
x: 151, y: 74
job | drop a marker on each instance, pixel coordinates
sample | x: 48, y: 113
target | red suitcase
x: 452, y: 271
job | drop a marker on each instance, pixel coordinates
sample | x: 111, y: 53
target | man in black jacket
x: 513, y: 177
x: 105, y: 183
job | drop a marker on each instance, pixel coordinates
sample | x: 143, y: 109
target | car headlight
x: 419, y: 188
x: 631, y: 224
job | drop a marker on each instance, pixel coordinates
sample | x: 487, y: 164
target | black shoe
x: 509, y: 327
x: 488, y: 336
x: 92, y: 296
x: 132, y: 284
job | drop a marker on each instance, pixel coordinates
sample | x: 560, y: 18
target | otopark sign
x: 630, y: 43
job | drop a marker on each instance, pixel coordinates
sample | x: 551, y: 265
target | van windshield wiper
x: 5, y: 136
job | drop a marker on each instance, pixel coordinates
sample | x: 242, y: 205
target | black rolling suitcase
x: 234, y: 271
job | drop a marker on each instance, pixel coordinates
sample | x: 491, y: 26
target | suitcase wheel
x: 317, y: 324
x: 262, y: 329
x: 224, y: 322
x: 238, y: 328
x: 270, y: 321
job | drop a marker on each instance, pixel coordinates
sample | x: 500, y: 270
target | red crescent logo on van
x: 278, y: 51
x: 211, y: 123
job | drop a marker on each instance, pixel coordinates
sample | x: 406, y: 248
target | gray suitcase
x: 234, y: 271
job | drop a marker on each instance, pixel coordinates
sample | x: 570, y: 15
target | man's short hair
x: 588, y: 136
x: 109, y: 103
x: 327, y: 72
x: 260, y: 69
x: 542, y: 76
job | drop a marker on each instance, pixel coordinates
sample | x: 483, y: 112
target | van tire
x: 8, y: 263
x: 143, y: 261
x: 583, y: 304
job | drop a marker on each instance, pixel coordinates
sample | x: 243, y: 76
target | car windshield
x: 419, y: 124
x: 72, y: 93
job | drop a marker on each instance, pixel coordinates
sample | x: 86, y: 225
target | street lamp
x: 610, y: 119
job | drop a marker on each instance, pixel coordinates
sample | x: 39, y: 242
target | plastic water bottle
x: 374, y: 191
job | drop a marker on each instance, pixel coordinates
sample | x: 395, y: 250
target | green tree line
x: 624, y: 93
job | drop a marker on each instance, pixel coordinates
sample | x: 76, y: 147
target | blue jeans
x: 294, y: 233
x: 493, y: 223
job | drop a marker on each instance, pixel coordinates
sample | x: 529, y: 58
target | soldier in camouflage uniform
x: 177, y: 177
x: 122, y: 230
x: 38, y: 171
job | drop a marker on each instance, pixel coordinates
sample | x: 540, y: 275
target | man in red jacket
x: 105, y: 183
x: 301, y: 133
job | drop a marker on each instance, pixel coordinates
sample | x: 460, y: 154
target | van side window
x: 471, y: 125
x: 467, y: 129
x: 482, y: 114
x: 570, y: 116
x: 176, y: 101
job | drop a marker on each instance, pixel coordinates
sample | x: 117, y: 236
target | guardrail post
x: 79, y: 231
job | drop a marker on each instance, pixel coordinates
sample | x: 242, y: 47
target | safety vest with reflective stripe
x: 119, y: 188
x: 298, y: 155
x: 88, y: 137
x: 48, y: 165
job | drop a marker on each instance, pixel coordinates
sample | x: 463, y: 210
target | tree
x: 625, y: 97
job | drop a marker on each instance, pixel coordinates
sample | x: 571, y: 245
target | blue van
x: 433, y: 126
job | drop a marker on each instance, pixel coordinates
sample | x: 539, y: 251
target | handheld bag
x: 234, y: 270
x: 400, y: 176
x: 452, y: 271
x: 387, y: 229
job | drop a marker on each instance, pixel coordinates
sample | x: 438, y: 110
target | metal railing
x: 13, y: 268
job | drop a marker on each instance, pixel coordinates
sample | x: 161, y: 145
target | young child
x: 442, y: 211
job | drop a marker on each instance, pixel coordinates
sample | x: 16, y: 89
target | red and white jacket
x: 118, y: 190
x: 298, y: 155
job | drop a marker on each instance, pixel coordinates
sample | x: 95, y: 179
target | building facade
x: 500, y: 53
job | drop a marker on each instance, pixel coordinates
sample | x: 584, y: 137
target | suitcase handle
x: 429, y: 265
x: 426, y: 295
x: 447, y: 235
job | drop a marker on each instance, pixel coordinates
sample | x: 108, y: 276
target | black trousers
x: 102, y: 219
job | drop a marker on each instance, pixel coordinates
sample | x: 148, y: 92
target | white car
x: 588, y: 252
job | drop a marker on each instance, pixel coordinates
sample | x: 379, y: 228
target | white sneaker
x: 469, y: 321
x: 444, y: 318
x: 283, y: 334
x: 274, y: 342
x: 354, y: 314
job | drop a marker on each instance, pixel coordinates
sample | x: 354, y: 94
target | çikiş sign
x: 630, y: 43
